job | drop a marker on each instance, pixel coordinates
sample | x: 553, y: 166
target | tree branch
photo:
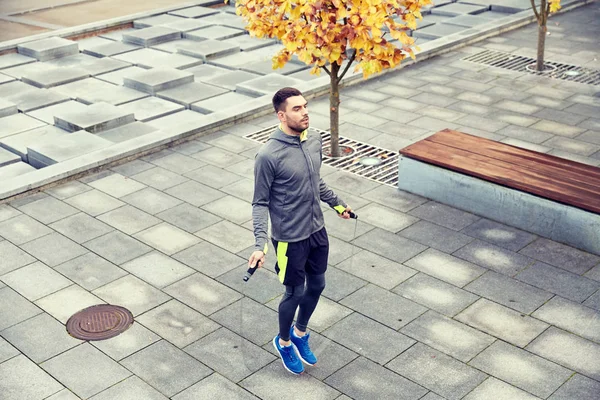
x: 348, y: 65
x: 326, y: 70
x: 537, y: 15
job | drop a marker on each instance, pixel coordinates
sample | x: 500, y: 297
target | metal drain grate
x: 513, y: 62
x: 360, y: 162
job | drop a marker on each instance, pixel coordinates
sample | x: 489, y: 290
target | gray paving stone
x: 266, y: 84
x: 495, y: 258
x: 457, y: 9
x: 436, y: 371
x: 386, y: 218
x: 7, y: 212
x: 501, y: 235
x: 526, y: 145
x: 219, y: 157
x: 156, y: 236
x: 150, y: 58
x: 446, y: 267
x: 66, y: 302
x: 194, y: 12
x: 96, y: 118
x: 517, y: 367
x: 117, y: 77
x: 559, y: 281
x: 213, y: 176
x: 393, y: 198
x: 229, y: 354
x: 194, y: 193
x: 190, y: 93
x: 363, y: 335
x: 569, y: 350
x: 14, y: 308
x: 443, y: 215
x: 593, y: 301
x: 214, y: 32
x: 53, y: 249
x: 157, y: 269
x: 48, y: 210
x: 147, y: 37
x: 54, y: 77
x: 130, y: 389
x: 94, y: 202
x: 46, y: 114
x: 178, y: 118
x: 155, y: 20
x: 493, y: 388
x: 40, y: 337
x: 151, y: 200
x: 48, y: 49
x: 133, y: 294
x: 35, y: 281
x: 32, y: 100
x: 15, y: 169
x: 502, y: 322
x: 571, y: 316
x: 129, y: 219
x: 14, y: 59
x: 151, y: 108
x: 389, y: 245
x: 90, y: 271
x: 127, y: 132
x: 157, y: 79
x: 509, y: 292
x: 117, y: 247
x: 166, y: 368
x: 127, y: 343
x: 249, y: 319
x: 572, y: 146
x: 226, y: 19
x: 437, y: 31
x: 115, y: 96
x: 17, y: 123
x: 7, y: 158
x: 6, y: 78
x: 560, y: 255
x: 190, y: 291
x: 7, y: 108
x: 249, y: 43
x: 578, y: 387
x: 467, y: 21
x: 207, y: 49
x: 111, y: 48
x: 435, y: 294
x: 383, y: 306
x: 78, y: 370
x: 375, y: 269
x: 215, y: 386
x: 556, y: 128
x: 219, y: 102
x: 18, y: 373
x: 592, y: 160
x: 230, y: 208
x: 64, y: 148
x: 117, y: 185
x: 435, y: 236
x: 448, y: 336
x: 7, y: 351
x: 22, y: 229
x: 177, y: 323
x: 159, y: 178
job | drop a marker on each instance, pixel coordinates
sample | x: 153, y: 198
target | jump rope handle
x: 250, y: 272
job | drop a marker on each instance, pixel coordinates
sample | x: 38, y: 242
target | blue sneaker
x: 301, y: 344
x: 289, y: 357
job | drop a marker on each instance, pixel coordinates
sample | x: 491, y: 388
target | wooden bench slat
x: 553, y: 166
x: 503, y: 173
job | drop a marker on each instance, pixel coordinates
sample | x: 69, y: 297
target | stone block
x: 194, y: 12
x: 167, y: 238
x: 157, y: 79
x: 95, y: 118
x: 64, y: 148
x: 522, y: 369
x: 220, y: 102
x: 32, y: 100
x: 577, y: 388
x: 265, y: 67
x: 8, y: 157
x: 501, y: 322
x: 129, y: 291
x: 226, y: 19
x: 509, y: 292
x: 82, y: 228
x: 104, y: 65
x: 14, y: 60
x: 117, y: 77
x: 116, y: 96
x: 150, y: 36
x: 572, y: 317
x: 111, y: 49
x: 7, y: 108
x: 46, y: 114
x: 131, y: 341
x: 18, y: 373
x: 48, y: 49
x: 493, y: 257
x: 437, y: 371
x: 83, y: 87
x: 561, y: 255
x: 132, y: 387
x: 237, y: 60
x: 493, y: 388
x: 150, y: 108
x: 172, y: 46
x: 435, y: 236
x: 6, y: 79
x: 190, y: 93
x: 54, y: 77
x: 207, y: 49
x: 126, y: 132
x: 150, y: 58
x: 18, y: 72
x: 214, y: 32
x: 127, y: 219
x: 17, y: 123
x: 154, y: 21
x: 187, y: 25
x: 267, y: 84
x: 458, y: 9
x: 248, y: 43
x: 467, y: 21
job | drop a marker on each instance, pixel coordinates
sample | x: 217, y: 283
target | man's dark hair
x: 280, y: 98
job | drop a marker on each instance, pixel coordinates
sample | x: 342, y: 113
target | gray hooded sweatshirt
x: 288, y: 187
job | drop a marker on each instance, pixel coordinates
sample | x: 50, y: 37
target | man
x: 288, y: 187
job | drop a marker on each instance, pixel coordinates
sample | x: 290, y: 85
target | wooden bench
x: 540, y: 193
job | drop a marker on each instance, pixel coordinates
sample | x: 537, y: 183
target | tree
x: 332, y: 34
x: 546, y: 8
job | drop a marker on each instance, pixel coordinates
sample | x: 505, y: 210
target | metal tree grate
x: 385, y: 171
x: 572, y: 73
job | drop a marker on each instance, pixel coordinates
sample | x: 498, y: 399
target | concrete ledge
x: 555, y: 221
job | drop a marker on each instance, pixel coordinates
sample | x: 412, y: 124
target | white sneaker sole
x: 285, y: 366
x: 300, y: 357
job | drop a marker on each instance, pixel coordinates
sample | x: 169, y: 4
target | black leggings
x: 299, y: 296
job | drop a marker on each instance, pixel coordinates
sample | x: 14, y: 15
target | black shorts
x: 296, y: 259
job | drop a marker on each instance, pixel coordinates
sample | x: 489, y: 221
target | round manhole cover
x: 99, y: 322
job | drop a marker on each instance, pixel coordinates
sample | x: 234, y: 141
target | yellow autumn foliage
x: 322, y: 32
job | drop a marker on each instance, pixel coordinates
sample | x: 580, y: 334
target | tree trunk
x: 539, y: 65
x: 334, y: 112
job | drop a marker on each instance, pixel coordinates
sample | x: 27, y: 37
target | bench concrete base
x: 552, y: 220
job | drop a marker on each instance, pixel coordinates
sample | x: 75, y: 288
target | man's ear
x: 281, y: 116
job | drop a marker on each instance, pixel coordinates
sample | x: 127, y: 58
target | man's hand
x: 346, y: 213
x: 256, y: 257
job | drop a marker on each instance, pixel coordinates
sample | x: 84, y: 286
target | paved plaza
x: 423, y: 301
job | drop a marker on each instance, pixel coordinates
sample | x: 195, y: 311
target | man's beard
x: 297, y: 127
